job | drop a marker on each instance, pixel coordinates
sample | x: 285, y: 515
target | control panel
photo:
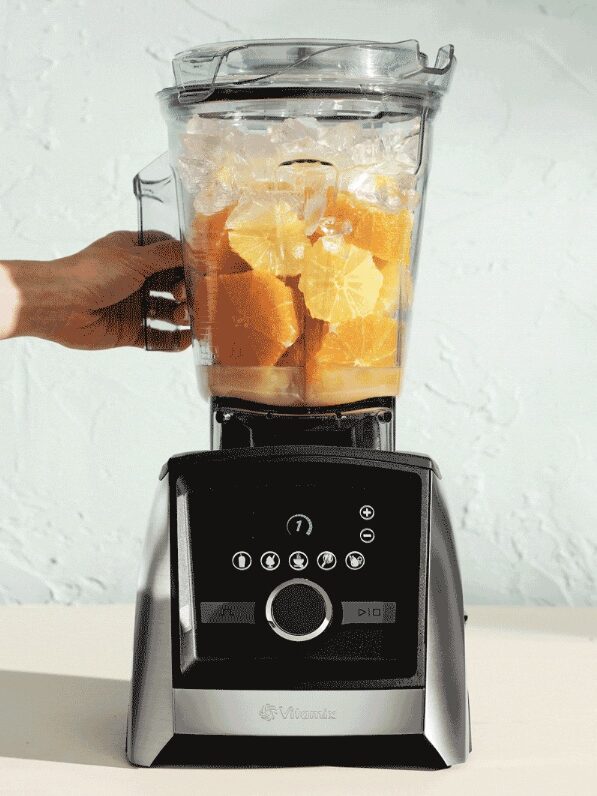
x: 297, y: 574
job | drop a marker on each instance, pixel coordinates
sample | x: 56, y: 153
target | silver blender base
x: 425, y: 727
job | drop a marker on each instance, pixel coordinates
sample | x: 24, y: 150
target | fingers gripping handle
x: 157, y: 210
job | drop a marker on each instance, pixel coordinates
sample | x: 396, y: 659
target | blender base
x: 381, y: 680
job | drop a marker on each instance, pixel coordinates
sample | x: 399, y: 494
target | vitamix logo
x: 270, y: 712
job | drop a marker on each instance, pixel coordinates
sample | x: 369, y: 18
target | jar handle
x: 157, y: 215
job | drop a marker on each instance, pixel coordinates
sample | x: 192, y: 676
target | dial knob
x: 298, y: 610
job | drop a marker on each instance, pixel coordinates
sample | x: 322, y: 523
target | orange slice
x: 356, y: 361
x: 207, y: 249
x: 252, y: 318
x: 386, y: 235
x: 307, y: 345
x: 269, y: 235
x: 339, y: 281
x: 396, y: 289
x: 370, y: 342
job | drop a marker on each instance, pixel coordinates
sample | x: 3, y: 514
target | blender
x: 300, y: 600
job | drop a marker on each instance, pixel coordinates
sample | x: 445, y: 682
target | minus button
x: 367, y: 535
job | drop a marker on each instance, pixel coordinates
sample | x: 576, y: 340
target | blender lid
x: 272, y: 66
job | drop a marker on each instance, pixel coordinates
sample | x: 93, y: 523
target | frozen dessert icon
x: 355, y: 560
x: 326, y: 560
x: 298, y: 560
x: 270, y: 560
x: 241, y: 560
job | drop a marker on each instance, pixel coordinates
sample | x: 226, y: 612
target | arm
x: 92, y: 299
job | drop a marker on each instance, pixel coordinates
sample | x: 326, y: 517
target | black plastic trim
x: 302, y: 453
x: 377, y: 751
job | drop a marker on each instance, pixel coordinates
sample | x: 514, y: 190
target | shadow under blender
x: 63, y: 719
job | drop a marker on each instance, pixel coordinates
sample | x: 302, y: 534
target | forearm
x: 33, y: 298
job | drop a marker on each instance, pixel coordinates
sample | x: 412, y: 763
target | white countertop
x: 532, y: 676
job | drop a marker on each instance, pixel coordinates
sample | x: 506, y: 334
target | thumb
x: 160, y: 256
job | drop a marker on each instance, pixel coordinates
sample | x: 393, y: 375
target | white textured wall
x: 501, y: 381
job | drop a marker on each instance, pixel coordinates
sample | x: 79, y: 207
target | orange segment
x: 268, y: 234
x: 339, y: 281
x: 208, y: 250
x: 253, y: 318
x: 370, y: 342
x: 358, y: 360
x: 396, y: 289
x: 386, y: 235
x: 307, y: 345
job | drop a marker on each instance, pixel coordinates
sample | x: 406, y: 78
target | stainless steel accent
x: 446, y: 706
x: 227, y: 613
x: 363, y: 612
x: 186, y: 602
x: 151, y: 719
x: 307, y: 636
x: 275, y: 713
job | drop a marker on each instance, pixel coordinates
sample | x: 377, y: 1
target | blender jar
x: 300, y: 170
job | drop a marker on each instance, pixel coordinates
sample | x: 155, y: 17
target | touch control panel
x: 328, y: 554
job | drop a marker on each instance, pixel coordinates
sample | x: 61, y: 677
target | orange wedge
x: 358, y: 360
x: 396, y: 289
x: 386, y: 235
x: 207, y: 249
x: 339, y: 281
x: 252, y: 318
x: 307, y: 345
x: 269, y: 235
x: 370, y: 342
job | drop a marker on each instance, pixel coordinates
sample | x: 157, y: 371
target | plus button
x: 367, y: 512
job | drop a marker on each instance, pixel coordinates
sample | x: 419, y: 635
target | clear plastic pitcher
x: 300, y: 170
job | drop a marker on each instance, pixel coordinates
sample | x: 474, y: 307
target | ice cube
x: 212, y: 198
x: 402, y: 143
x: 369, y: 151
x: 313, y: 210
x: 330, y: 225
x: 383, y: 186
x: 332, y: 243
x: 193, y: 173
x: 299, y: 138
x: 340, y: 136
x: 311, y: 182
x: 292, y: 130
x: 256, y: 158
x: 261, y: 208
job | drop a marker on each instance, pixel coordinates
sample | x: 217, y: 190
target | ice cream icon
x: 270, y: 560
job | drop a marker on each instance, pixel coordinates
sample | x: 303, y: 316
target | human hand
x: 93, y: 299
